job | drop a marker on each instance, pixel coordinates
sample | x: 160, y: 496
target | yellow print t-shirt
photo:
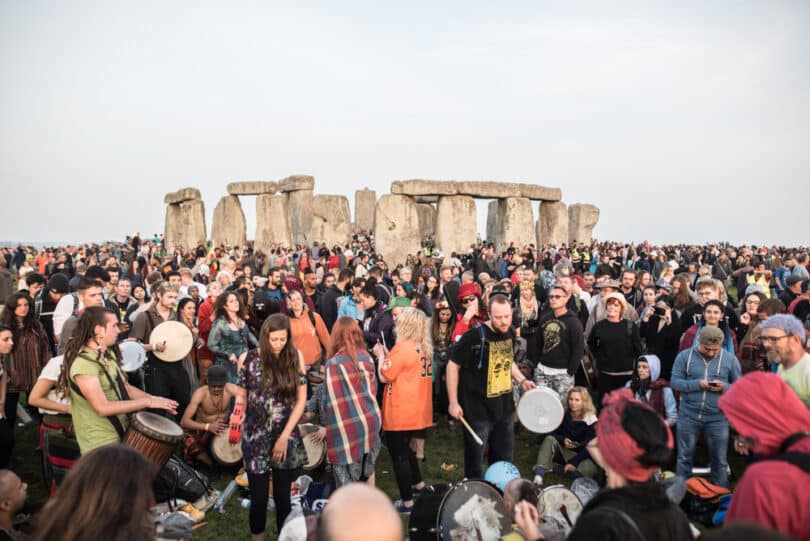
x: 499, y: 375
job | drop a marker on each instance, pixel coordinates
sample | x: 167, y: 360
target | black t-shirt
x: 485, y: 378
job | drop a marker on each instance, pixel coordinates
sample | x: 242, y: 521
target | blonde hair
x: 413, y: 324
x: 587, y: 402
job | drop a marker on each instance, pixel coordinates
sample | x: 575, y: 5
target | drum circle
x: 540, y: 410
x: 500, y: 473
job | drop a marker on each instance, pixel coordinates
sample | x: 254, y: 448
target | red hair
x: 346, y: 339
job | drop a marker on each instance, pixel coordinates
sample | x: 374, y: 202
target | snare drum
x: 316, y: 450
x: 467, y: 510
x: 226, y: 453
x: 560, y: 504
x: 540, y: 410
x: 154, y: 436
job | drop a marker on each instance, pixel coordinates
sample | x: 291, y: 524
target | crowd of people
x: 653, y: 352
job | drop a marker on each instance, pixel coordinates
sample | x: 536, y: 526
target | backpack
x: 179, y: 480
x: 703, y: 500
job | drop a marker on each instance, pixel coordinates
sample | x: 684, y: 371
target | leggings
x: 282, y: 479
x: 406, y: 468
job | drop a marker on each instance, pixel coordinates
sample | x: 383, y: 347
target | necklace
x: 218, y: 406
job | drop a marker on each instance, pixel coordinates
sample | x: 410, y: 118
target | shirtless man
x: 207, y: 414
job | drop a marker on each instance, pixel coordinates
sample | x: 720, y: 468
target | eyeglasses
x: 771, y: 339
x: 556, y: 296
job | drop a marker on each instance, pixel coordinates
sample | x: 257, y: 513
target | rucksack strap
x: 798, y: 459
x: 114, y: 421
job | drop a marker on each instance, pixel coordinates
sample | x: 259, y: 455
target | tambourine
x: 235, y: 430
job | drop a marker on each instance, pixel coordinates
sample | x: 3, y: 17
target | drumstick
x: 470, y: 430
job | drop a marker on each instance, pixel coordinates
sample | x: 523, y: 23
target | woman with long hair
x: 141, y: 304
x: 186, y: 310
x: 752, y: 354
x: 661, y: 331
x: 407, y: 400
x: 30, y: 353
x: 526, y: 322
x: 107, y: 493
x: 649, y: 387
x: 6, y: 431
x: 230, y: 338
x: 205, y: 320
x: 347, y: 398
x: 309, y: 332
x: 272, y: 396
x: 570, y: 439
x: 682, y: 292
x: 442, y: 325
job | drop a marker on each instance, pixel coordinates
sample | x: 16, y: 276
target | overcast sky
x: 682, y: 121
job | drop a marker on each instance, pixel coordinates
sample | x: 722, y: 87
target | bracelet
x: 207, y: 426
x: 522, y: 381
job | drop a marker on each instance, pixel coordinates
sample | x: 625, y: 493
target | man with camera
x: 479, y: 386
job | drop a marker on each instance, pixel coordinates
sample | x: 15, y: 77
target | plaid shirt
x: 352, y: 416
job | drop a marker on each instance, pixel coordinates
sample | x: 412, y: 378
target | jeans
x: 406, y: 467
x: 716, y: 431
x: 498, y: 435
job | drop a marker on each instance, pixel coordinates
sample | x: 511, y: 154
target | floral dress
x: 265, y: 419
x: 224, y: 341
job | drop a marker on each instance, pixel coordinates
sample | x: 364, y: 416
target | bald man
x: 12, y: 499
x: 359, y: 512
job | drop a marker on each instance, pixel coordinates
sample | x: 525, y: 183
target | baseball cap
x: 711, y: 336
x: 793, y: 280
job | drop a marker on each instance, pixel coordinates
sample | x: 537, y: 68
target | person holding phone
x: 661, y: 332
x: 701, y: 374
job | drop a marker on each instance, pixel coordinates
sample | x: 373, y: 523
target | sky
x: 683, y: 121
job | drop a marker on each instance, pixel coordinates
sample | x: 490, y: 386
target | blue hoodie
x: 689, y: 369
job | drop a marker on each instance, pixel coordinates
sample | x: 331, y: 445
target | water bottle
x: 222, y: 500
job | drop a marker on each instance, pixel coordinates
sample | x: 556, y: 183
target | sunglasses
x: 470, y: 298
x: 556, y: 296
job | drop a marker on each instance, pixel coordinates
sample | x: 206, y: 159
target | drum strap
x: 120, y: 390
x: 611, y: 511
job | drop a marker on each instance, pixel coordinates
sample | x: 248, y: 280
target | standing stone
x: 365, y: 201
x: 185, y: 225
x: 582, y: 218
x: 427, y: 219
x: 456, y: 226
x: 252, y: 187
x: 228, y: 228
x: 516, y: 220
x: 182, y: 195
x: 493, y: 225
x: 331, y: 220
x: 396, y: 228
x: 552, y: 224
x: 272, y: 222
x: 296, y: 182
x: 301, y: 207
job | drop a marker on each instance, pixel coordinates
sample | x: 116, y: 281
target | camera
x: 658, y: 311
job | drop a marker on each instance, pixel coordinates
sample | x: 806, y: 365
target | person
x: 773, y: 424
x: 649, y: 387
x: 30, y: 352
x: 99, y: 397
x: 782, y: 337
x: 230, y: 338
x: 599, y: 309
x: 560, y: 344
x: 332, y: 296
x: 271, y: 396
x: 206, y: 414
x: 185, y: 315
x: 661, y: 331
x: 6, y: 430
x: 377, y: 325
x: 525, y: 320
x: 701, y: 374
x: 89, y: 292
x: 570, y: 439
x: 407, y: 408
x: 161, y: 378
x: 45, y: 302
x: 310, y: 335
x: 109, y: 492
x: 358, y: 512
x: 616, y: 344
x: 351, y: 305
x: 13, y: 493
x: 141, y: 303
x: 442, y: 325
x: 474, y: 311
x: 121, y: 301
x: 712, y: 317
x: 752, y: 354
x: 347, y: 398
x: 479, y: 383
x: 708, y: 289
x: 205, y: 320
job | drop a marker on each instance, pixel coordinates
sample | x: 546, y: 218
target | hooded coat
x: 772, y: 493
x: 658, y: 394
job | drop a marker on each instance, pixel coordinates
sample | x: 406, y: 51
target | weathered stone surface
x: 552, y: 224
x: 331, y: 220
x: 183, y: 194
x: 296, y: 182
x: 396, y: 228
x: 582, y: 218
x: 493, y: 224
x: 426, y: 199
x: 185, y: 225
x: 228, y: 227
x: 365, y: 201
x: 516, y: 221
x: 427, y: 219
x: 456, y: 226
x: 252, y: 187
x: 272, y: 222
x: 301, y: 206
x: 482, y: 189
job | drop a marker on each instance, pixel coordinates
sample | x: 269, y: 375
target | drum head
x: 316, y: 450
x: 560, y: 504
x: 178, y: 341
x: 156, y: 427
x: 224, y: 452
x: 132, y: 355
x: 540, y: 410
x: 473, y: 510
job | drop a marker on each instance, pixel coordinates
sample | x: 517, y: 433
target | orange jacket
x: 309, y: 339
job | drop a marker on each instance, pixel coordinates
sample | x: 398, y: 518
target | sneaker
x: 401, y: 508
x: 538, y: 475
x: 538, y: 480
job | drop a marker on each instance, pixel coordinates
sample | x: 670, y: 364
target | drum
x: 176, y: 336
x: 560, y: 504
x: 540, y: 410
x: 316, y: 450
x: 154, y: 436
x: 471, y: 510
x: 132, y: 355
x: 226, y: 453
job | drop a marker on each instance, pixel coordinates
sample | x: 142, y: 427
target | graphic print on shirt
x: 499, y: 376
x: 551, y: 335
